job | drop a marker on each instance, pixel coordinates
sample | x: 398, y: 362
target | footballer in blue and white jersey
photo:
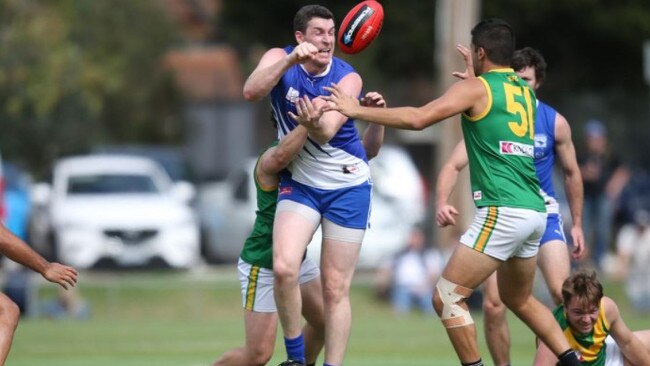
x: 545, y: 154
x: 341, y: 162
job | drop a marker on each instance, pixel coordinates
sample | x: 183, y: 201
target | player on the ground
x: 594, y: 327
x: 497, y: 113
x: 552, y: 139
x: 18, y: 251
x: 256, y: 259
x: 327, y: 184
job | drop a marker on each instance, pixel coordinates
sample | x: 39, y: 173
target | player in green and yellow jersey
x: 594, y: 327
x: 256, y: 258
x: 497, y: 112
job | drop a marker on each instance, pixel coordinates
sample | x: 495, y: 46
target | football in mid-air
x: 360, y: 26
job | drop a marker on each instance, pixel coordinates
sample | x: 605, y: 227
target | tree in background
x: 77, y: 73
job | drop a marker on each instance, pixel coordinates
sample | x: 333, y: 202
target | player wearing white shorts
x: 552, y: 139
x: 497, y: 111
x: 256, y: 269
x: 594, y: 327
x: 328, y: 183
x: 255, y: 264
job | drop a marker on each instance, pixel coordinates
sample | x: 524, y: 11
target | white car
x: 124, y: 209
x: 228, y: 210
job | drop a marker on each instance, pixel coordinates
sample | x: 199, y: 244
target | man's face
x: 581, y: 318
x: 528, y: 75
x: 322, y: 34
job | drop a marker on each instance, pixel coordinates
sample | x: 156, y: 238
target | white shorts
x: 256, y: 284
x: 505, y: 232
x: 613, y: 354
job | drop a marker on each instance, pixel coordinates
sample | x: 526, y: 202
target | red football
x: 360, y: 26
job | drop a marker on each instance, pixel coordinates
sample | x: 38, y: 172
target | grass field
x: 187, y: 319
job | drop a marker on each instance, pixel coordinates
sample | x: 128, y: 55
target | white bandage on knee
x: 451, y: 294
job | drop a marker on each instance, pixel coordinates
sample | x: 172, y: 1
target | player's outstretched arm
x: 445, y: 213
x: 573, y: 187
x: 460, y: 97
x: 18, y: 251
x: 631, y: 346
x: 278, y: 157
x: 321, y: 120
x: 373, y: 136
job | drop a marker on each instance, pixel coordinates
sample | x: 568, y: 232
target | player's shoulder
x: 340, y: 65
x: 474, y: 85
x: 273, y: 55
x: 611, y: 309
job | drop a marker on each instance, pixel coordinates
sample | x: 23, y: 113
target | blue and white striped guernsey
x: 545, y: 154
x: 342, y: 161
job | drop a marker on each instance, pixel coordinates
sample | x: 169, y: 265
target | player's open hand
x: 373, y: 99
x: 579, y: 248
x: 303, y: 52
x: 445, y: 215
x: 309, y: 113
x: 467, y: 56
x: 63, y: 275
x: 340, y: 101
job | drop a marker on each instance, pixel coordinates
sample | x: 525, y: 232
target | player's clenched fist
x: 304, y: 52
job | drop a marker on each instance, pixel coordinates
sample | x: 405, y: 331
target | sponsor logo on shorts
x: 292, y: 95
x: 478, y: 195
x: 284, y: 191
x: 515, y: 148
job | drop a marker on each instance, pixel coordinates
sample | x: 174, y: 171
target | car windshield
x: 111, y: 183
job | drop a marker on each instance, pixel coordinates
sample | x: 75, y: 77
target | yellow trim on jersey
x: 601, y: 329
x: 600, y: 332
x: 487, y: 108
x: 505, y: 69
x: 252, y: 287
x: 487, y: 229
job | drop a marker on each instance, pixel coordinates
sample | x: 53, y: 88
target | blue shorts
x: 554, y: 229
x: 347, y: 207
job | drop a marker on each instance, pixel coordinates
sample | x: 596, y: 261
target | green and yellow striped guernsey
x: 499, y: 144
x: 590, y: 347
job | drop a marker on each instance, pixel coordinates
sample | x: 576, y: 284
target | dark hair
x: 530, y: 57
x: 306, y: 13
x: 496, y: 37
x: 585, y: 286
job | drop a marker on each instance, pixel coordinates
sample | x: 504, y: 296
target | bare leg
x: 515, y: 279
x: 553, y: 260
x: 291, y: 234
x: 495, y: 321
x: 312, y: 310
x: 9, y: 315
x: 338, y: 260
x: 261, y: 329
x: 463, y: 338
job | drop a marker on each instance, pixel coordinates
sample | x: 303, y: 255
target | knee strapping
x: 451, y: 295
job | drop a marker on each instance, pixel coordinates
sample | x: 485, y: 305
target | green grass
x: 189, y: 319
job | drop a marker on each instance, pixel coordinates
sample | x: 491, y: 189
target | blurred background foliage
x: 76, y: 73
